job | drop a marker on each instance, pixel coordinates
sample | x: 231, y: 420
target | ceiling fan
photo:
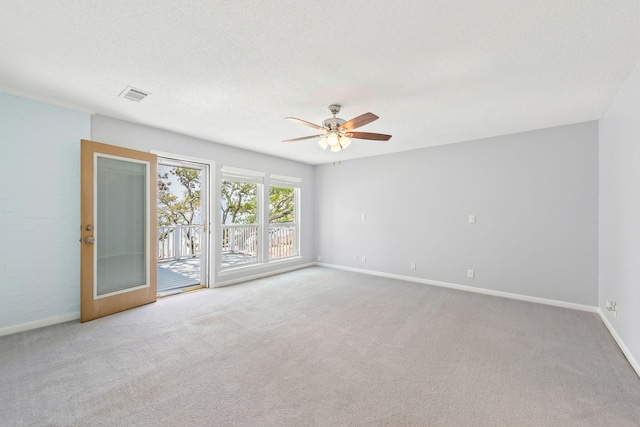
x: 337, y: 132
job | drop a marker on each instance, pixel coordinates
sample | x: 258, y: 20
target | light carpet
x: 322, y: 347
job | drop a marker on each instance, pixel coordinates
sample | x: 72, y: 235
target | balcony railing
x: 184, y: 241
x: 179, y: 241
x: 282, y: 240
x: 243, y: 239
x: 240, y: 238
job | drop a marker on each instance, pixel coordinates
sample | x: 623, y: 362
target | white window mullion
x: 264, y: 215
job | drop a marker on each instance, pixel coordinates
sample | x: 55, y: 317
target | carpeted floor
x: 322, y: 347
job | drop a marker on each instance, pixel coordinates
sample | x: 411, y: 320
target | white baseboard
x: 632, y: 361
x: 501, y: 294
x: 14, y: 329
x: 261, y: 275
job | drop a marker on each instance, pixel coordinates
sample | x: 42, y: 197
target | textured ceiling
x: 436, y: 71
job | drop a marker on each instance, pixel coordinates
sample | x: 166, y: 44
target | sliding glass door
x: 183, y: 218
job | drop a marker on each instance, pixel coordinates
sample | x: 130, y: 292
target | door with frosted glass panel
x: 118, y: 238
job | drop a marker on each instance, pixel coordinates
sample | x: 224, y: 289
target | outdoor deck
x: 179, y: 250
x: 230, y: 259
x: 185, y: 272
x: 178, y: 274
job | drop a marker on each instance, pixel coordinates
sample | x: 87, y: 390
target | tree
x: 183, y: 206
x: 281, y: 205
x: 239, y: 202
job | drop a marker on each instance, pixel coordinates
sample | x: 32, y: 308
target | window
x: 283, y: 217
x: 241, y: 213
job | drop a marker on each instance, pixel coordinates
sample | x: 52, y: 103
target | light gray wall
x: 125, y: 134
x: 620, y: 212
x: 534, y: 194
x: 39, y: 210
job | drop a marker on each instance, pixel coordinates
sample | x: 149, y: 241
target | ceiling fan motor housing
x: 333, y: 123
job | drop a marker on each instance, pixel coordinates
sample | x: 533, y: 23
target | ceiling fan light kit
x: 336, y: 132
x: 336, y: 140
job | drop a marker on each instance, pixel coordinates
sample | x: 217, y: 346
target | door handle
x: 90, y: 240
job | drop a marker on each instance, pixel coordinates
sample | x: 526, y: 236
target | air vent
x: 133, y: 94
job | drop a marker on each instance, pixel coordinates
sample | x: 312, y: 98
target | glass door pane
x: 182, y: 225
x: 121, y: 226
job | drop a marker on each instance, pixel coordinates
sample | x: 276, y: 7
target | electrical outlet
x: 470, y: 274
x: 319, y: 258
x: 355, y: 258
x: 613, y: 306
x: 413, y: 265
x: 364, y: 217
x: 472, y: 219
x: 363, y: 259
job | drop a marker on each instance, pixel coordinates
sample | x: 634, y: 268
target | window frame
x: 282, y: 181
x: 233, y: 174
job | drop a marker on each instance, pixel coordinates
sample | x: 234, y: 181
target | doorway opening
x: 183, y: 232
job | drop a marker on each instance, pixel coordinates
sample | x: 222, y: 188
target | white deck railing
x: 179, y: 241
x: 183, y: 241
x: 282, y: 240
x: 241, y: 238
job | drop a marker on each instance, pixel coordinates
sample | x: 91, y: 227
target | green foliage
x: 281, y: 205
x: 239, y: 202
x: 175, y: 210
